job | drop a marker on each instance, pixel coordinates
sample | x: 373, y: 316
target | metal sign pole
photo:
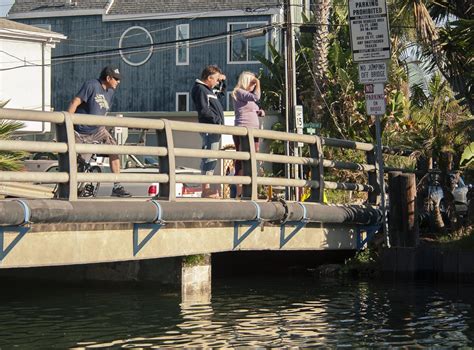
x: 287, y: 119
x: 378, y: 136
x: 290, y: 70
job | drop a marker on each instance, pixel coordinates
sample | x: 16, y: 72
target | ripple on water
x: 308, y: 315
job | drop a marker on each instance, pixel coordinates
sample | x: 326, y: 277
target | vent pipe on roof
x: 109, y: 6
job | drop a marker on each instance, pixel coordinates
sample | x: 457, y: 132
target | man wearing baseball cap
x: 95, y: 97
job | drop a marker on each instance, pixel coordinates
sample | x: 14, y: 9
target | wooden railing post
x: 317, y: 170
x: 67, y: 162
x: 403, y: 223
x: 167, y: 164
x: 249, y: 167
x: 409, y: 211
x: 395, y: 214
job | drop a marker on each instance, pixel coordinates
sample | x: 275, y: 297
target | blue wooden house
x: 160, y: 46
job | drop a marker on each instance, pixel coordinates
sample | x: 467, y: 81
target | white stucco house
x: 25, y: 68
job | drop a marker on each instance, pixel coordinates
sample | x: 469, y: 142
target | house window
x: 136, y: 46
x: 182, y: 102
x: 182, y: 48
x: 242, y: 50
x: 230, y: 101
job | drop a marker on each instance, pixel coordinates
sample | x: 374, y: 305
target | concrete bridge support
x: 191, y: 275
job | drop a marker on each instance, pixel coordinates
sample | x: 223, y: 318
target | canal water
x: 302, y: 311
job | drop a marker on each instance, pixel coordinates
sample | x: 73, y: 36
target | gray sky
x: 5, y: 6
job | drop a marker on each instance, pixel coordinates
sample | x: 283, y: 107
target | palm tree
x: 273, y: 80
x: 442, y: 124
x: 456, y: 43
x: 444, y: 31
x: 320, y: 57
x: 441, y: 130
x: 9, y: 160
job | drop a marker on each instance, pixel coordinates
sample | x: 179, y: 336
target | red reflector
x: 152, y: 190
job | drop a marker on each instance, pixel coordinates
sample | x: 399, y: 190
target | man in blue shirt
x: 95, y: 97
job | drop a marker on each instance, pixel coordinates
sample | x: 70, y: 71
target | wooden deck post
x: 409, y: 210
x: 394, y: 219
x: 403, y: 219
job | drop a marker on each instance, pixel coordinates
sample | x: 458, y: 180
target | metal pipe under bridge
x: 69, y: 231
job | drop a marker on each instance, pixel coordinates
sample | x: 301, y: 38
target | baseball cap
x: 112, y: 71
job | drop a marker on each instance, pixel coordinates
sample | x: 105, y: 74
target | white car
x: 140, y: 165
x: 147, y: 165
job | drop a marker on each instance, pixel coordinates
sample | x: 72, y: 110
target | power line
x: 152, y: 16
x: 156, y: 47
x: 317, y: 86
x: 240, y: 31
x: 16, y: 57
x: 121, y: 30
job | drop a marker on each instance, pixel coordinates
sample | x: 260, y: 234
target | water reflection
x: 258, y: 313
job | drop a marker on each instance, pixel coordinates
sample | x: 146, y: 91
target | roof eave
x: 32, y: 36
x: 196, y: 14
x: 59, y: 13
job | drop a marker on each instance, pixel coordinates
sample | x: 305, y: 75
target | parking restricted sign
x: 368, y: 22
x: 374, y: 99
x: 367, y: 8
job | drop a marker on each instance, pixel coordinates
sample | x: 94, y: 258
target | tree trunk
x: 438, y: 220
x: 320, y: 62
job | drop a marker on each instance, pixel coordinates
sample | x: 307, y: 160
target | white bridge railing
x: 68, y: 178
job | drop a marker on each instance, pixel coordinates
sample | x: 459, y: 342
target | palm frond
x: 3, y: 103
x: 11, y: 161
x: 8, y: 127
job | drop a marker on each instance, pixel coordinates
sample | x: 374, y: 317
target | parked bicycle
x: 87, y: 189
x: 85, y: 164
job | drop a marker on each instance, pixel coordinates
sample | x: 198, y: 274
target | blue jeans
x: 210, y: 142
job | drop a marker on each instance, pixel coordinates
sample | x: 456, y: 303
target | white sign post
x: 299, y: 122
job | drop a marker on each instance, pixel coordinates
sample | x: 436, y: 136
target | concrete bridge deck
x: 71, y: 244
x: 52, y: 232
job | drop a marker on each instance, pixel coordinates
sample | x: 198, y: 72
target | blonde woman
x: 245, y: 96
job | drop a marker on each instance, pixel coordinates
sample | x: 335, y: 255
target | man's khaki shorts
x: 100, y: 136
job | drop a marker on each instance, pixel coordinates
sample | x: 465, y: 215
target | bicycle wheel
x: 95, y: 185
x: 89, y: 189
x: 54, y: 169
x: 85, y: 189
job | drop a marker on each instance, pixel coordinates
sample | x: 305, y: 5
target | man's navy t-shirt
x: 95, y: 100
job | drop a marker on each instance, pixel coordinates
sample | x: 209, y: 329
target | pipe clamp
x: 257, y: 215
x: 26, y: 211
x: 284, y: 219
x: 159, y: 212
x: 305, y: 213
